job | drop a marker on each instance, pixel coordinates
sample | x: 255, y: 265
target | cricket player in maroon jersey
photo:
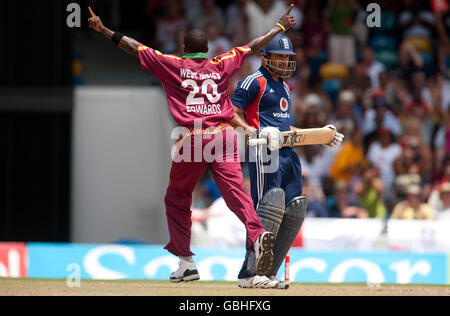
x: 196, y: 89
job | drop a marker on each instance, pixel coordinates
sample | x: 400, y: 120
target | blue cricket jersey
x: 265, y: 102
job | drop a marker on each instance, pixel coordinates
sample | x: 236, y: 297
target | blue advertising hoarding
x: 153, y: 262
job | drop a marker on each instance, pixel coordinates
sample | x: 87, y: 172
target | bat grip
x: 257, y: 141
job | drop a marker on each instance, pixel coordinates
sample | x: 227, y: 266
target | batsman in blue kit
x: 262, y: 105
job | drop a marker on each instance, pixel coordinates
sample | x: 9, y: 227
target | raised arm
x: 286, y: 22
x: 127, y: 44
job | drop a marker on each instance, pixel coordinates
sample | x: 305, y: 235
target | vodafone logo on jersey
x: 284, y: 105
x: 13, y: 260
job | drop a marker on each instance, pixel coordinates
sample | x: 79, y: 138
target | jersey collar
x: 196, y: 56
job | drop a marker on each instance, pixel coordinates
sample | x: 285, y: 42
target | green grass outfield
x: 38, y: 287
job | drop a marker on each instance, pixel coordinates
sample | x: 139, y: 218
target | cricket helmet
x: 282, y: 45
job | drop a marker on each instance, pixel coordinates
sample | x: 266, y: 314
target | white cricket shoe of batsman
x: 257, y: 282
x: 337, y: 139
x: 186, y: 271
x: 281, y: 285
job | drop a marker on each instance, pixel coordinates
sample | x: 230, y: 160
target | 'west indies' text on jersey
x: 196, y: 88
x: 265, y: 102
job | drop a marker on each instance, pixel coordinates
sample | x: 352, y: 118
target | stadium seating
x: 387, y: 57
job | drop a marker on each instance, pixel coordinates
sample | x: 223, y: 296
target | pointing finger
x: 91, y: 12
x: 290, y: 9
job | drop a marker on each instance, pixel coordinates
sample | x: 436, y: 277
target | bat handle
x: 257, y: 141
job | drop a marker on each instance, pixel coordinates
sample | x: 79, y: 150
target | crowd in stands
x: 387, y: 89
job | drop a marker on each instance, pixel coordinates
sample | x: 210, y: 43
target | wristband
x: 117, y: 37
x: 281, y: 26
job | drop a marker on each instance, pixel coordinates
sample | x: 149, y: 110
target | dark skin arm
x: 127, y: 44
x: 259, y: 43
x: 256, y: 46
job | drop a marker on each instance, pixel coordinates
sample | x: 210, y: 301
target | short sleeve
x: 246, y: 92
x: 155, y: 62
x: 230, y: 62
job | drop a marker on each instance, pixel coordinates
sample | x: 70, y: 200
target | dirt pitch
x: 32, y: 287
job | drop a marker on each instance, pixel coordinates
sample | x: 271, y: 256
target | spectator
x: 417, y: 149
x: 360, y: 29
x: 412, y: 207
x: 350, y: 159
x: 441, y: 142
x: 387, y: 88
x: 341, y: 44
x: 261, y: 13
x: 358, y: 82
x: 308, y: 85
x: 415, y: 21
x: 404, y: 180
x: 382, y: 153
x: 443, y: 28
x: 217, y: 43
x: 417, y: 109
x: 443, y: 213
x: 409, y: 61
x: 237, y: 21
x: 346, y: 118
x: 419, y: 82
x: 179, y: 42
x: 314, y: 30
x: 311, y: 112
x: 380, y: 116
x: 339, y: 205
x: 370, y: 190
x: 408, y: 161
x: 192, y: 9
x: 444, y: 177
x: 168, y: 27
x: 317, y: 159
x: 315, y: 196
x: 372, y: 67
x: 210, y: 13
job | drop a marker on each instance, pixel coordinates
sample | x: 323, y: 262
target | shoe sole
x: 190, y: 275
x: 266, y: 260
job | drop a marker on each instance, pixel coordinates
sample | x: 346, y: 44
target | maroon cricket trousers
x: 219, y: 145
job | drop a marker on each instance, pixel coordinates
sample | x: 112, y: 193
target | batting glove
x: 337, y: 139
x: 275, y: 138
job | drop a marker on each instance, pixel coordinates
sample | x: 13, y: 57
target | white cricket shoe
x: 281, y: 285
x: 263, y: 253
x: 257, y: 282
x: 185, y: 273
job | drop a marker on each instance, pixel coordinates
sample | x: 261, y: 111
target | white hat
x: 413, y: 189
x: 313, y: 99
x: 347, y: 96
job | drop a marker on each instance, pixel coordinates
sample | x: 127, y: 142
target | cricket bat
x: 302, y: 137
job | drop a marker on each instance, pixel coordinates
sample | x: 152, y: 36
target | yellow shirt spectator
x: 412, y: 208
x: 349, y: 160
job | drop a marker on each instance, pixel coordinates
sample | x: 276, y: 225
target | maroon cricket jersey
x: 196, y: 88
